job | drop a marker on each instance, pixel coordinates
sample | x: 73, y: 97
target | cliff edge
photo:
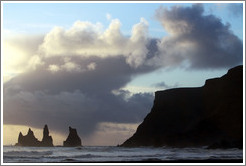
x: 211, y: 116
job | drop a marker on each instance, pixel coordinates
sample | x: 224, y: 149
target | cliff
x: 211, y: 115
x: 31, y: 140
x: 73, y: 139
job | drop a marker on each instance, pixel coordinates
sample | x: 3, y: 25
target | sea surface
x: 13, y: 154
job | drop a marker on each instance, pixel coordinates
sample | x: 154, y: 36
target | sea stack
x: 31, y: 140
x: 47, y: 140
x: 211, y: 116
x: 73, y: 139
x: 28, y: 140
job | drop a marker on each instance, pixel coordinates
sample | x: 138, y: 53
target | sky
x: 96, y: 66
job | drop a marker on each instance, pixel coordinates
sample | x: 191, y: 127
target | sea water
x: 15, y: 154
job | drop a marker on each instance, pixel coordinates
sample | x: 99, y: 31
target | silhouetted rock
x: 47, y: 140
x: 211, y: 115
x: 31, y: 140
x: 28, y: 140
x: 73, y: 139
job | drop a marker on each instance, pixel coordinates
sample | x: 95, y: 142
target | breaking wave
x: 12, y: 154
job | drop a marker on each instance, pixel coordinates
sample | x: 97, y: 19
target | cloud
x: 18, y: 50
x: 196, y: 40
x: 111, y: 134
x: 74, y: 77
x: 74, y: 108
x: 92, y: 66
x: 164, y: 85
x: 85, y: 39
x: 61, y: 97
x: 53, y: 68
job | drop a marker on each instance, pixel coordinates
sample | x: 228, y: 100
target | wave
x: 104, y: 154
x: 27, y: 153
x: 75, y: 156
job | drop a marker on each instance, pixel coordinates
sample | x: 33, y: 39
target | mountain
x: 211, y: 116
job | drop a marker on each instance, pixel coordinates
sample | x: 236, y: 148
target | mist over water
x: 13, y: 154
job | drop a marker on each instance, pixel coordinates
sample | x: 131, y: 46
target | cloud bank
x: 74, y: 76
x: 85, y: 39
x: 196, y: 40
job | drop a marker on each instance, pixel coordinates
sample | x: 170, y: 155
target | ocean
x: 98, y: 154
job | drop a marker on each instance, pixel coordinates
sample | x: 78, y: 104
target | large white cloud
x: 85, y: 39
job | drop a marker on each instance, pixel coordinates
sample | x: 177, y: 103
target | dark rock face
x: 28, y: 140
x: 73, y: 139
x: 47, y: 140
x: 211, y: 115
x: 31, y: 140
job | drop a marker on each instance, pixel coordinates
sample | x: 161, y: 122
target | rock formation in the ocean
x: 211, y: 115
x: 28, y: 140
x: 47, y: 140
x: 31, y: 140
x: 73, y: 139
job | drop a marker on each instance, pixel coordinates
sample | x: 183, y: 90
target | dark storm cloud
x: 197, y: 40
x: 79, y: 98
x: 71, y: 84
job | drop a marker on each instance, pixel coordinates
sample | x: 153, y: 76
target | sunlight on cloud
x: 34, y: 62
x: 85, y: 39
x: 13, y: 60
x: 92, y: 66
x: 19, y: 54
x: 139, y: 89
x: 70, y: 66
x: 53, y: 68
x: 111, y: 134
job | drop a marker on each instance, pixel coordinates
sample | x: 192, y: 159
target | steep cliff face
x: 73, y: 139
x: 31, y: 140
x: 223, y: 100
x: 210, y: 115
